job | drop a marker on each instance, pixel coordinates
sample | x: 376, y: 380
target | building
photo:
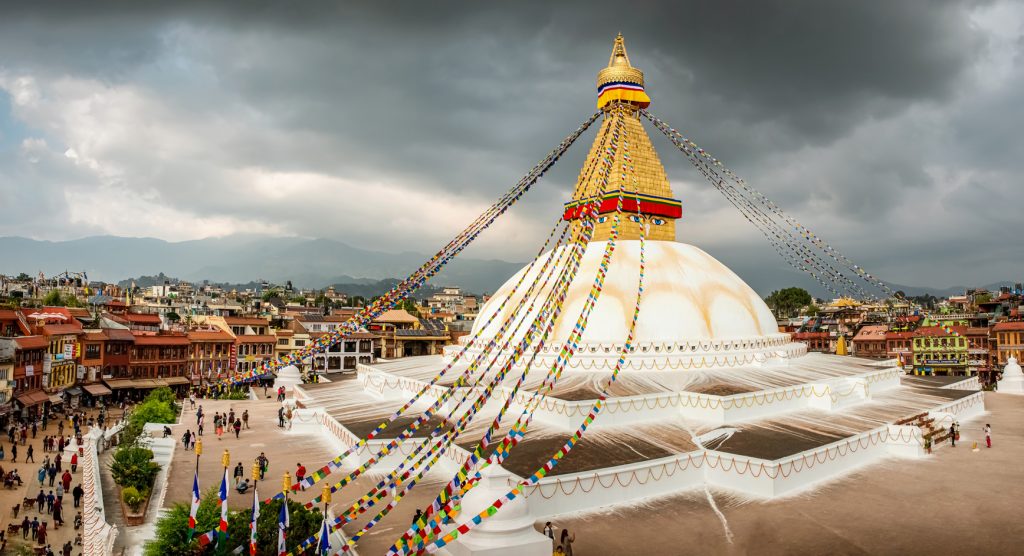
x: 7, y: 349
x: 979, y: 353
x: 157, y: 359
x: 355, y: 348
x: 1009, y: 338
x: 869, y: 341
x: 938, y: 352
x: 816, y: 341
x: 403, y: 335
x: 141, y: 322
x: 30, y: 355
x: 61, y: 330
x: 209, y: 354
x: 900, y: 346
x: 253, y: 351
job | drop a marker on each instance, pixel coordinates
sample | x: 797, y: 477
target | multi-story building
x: 253, y: 351
x: 979, y: 360
x: 900, y: 346
x: 343, y: 356
x: 7, y: 349
x: 159, y: 359
x: 403, y: 335
x: 117, y: 353
x: 1009, y: 338
x: 209, y: 354
x: 140, y: 322
x: 869, y: 341
x: 938, y: 352
x: 30, y: 353
x: 816, y: 341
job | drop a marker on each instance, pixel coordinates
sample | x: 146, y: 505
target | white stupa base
x: 288, y: 377
x: 510, y: 532
x: 1013, y: 378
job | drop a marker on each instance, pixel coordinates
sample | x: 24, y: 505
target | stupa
x: 1012, y: 381
x: 710, y: 393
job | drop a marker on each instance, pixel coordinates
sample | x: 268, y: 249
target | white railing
x: 98, y: 535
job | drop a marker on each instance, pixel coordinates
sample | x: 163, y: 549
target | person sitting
x: 167, y: 431
x: 242, y: 487
x: 15, y: 477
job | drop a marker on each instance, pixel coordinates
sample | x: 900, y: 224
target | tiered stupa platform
x: 710, y: 394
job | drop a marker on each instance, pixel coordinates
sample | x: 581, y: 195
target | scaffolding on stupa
x: 622, y: 194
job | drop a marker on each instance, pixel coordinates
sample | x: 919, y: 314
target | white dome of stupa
x: 695, y: 312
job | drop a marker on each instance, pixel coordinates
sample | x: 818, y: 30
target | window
x: 282, y: 341
x: 300, y: 343
x: 333, y: 363
x: 350, y: 363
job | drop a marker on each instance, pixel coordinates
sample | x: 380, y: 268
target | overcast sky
x: 892, y: 129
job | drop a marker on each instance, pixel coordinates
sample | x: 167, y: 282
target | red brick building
x: 209, y: 354
x: 816, y: 341
x: 870, y: 341
x: 900, y: 345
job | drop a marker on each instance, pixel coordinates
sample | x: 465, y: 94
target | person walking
x: 33, y: 430
x: 41, y: 475
x: 49, y: 502
x: 74, y: 462
x: 952, y: 435
x: 264, y: 464
x: 185, y: 438
x: 300, y: 474
x: 549, y: 531
x: 245, y: 420
x: 238, y: 474
x: 65, y: 480
x: 35, y: 528
x: 237, y: 427
x: 40, y: 501
x: 231, y: 415
x: 52, y: 471
x: 28, y: 454
x: 14, y: 452
x: 988, y: 434
x: 25, y: 526
x: 77, y: 494
x: 280, y: 417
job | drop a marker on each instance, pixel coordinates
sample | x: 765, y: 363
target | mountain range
x: 310, y: 263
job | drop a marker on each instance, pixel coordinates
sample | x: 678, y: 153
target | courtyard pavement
x: 955, y: 501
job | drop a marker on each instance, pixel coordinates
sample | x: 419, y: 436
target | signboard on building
x: 30, y: 370
x: 233, y: 357
x: 941, y: 361
x: 69, y: 351
x: 81, y: 372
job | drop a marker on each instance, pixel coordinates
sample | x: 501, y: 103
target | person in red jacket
x: 300, y: 474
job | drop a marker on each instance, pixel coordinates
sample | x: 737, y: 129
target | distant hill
x: 310, y: 263
x: 313, y: 263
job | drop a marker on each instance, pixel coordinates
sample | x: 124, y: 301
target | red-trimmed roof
x: 246, y: 321
x: 257, y: 339
x: 1013, y: 325
x: 119, y: 334
x: 95, y: 337
x: 977, y: 331
x: 871, y: 332
x: 59, y: 329
x: 8, y: 314
x: 938, y: 331
x: 161, y: 340
x: 809, y: 335
x: 899, y: 335
x: 142, y: 318
x: 32, y: 342
x: 210, y: 336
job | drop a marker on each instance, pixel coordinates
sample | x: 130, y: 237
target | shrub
x: 133, y: 466
x: 238, y: 395
x: 132, y: 498
x: 171, y: 536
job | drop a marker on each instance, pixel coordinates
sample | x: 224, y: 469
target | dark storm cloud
x: 839, y: 110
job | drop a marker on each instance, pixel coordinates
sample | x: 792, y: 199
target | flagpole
x: 325, y: 545
x: 226, y: 461
x: 255, y: 508
x: 284, y: 523
x: 196, y: 495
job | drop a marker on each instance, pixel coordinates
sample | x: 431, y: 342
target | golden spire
x: 647, y: 196
x: 620, y: 81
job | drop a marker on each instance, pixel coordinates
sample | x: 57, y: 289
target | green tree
x: 133, y: 466
x: 172, y: 529
x: 173, y: 317
x: 786, y: 302
x: 53, y: 299
x: 410, y: 306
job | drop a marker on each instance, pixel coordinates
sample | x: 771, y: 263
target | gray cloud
x: 886, y: 126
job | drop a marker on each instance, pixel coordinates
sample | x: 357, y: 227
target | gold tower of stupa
x: 621, y: 95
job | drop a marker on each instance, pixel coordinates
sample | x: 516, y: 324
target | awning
x: 138, y: 383
x: 176, y: 380
x: 30, y: 399
x: 118, y: 383
x: 96, y: 389
x: 56, y: 399
x: 73, y: 391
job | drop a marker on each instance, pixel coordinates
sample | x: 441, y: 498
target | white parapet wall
x: 98, y: 535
